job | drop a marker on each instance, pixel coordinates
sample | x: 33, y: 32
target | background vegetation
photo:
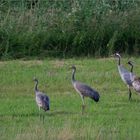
x: 65, y: 28
x: 113, y: 117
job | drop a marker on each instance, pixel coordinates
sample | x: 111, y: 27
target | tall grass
x: 65, y: 28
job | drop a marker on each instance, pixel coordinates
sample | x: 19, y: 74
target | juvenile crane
x: 84, y: 90
x: 125, y: 75
x: 42, y: 100
x: 136, y: 80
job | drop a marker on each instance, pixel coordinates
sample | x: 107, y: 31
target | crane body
x: 84, y: 90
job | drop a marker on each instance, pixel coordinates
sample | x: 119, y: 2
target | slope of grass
x: 114, y: 117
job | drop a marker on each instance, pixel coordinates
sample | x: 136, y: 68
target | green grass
x: 114, y: 117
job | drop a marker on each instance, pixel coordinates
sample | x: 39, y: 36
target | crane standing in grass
x: 136, y: 80
x: 84, y: 90
x: 126, y: 76
x: 42, y: 100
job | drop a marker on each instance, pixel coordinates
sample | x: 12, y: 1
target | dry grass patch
x: 31, y: 63
x: 58, y: 63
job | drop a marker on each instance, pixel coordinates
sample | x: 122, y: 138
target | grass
x: 114, y: 117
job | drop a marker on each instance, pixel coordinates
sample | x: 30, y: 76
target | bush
x: 63, y: 28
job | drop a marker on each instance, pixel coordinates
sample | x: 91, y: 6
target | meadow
x: 113, y: 117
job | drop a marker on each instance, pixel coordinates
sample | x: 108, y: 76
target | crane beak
x: 130, y: 62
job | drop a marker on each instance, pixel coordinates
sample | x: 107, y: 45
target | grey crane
x: 83, y: 89
x: 42, y: 99
x: 136, y: 79
x: 125, y: 75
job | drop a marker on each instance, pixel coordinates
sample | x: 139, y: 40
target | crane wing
x: 126, y: 75
x: 43, y: 100
x: 85, y: 90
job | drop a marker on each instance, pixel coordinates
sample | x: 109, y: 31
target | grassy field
x: 114, y: 117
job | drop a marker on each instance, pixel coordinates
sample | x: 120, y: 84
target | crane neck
x: 73, y: 75
x: 131, y: 68
x: 119, y: 60
x: 36, y: 85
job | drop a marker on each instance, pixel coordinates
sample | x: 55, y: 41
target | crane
x: 42, y: 99
x: 125, y: 75
x: 136, y: 79
x: 84, y: 90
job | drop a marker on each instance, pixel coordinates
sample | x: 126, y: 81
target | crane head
x: 95, y: 96
x: 73, y: 67
x: 130, y: 63
x: 35, y: 79
x: 116, y: 55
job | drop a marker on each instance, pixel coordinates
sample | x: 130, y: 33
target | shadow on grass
x: 36, y: 114
x: 134, y: 100
x: 60, y: 112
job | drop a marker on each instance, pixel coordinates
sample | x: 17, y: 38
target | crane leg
x: 83, y: 105
x: 43, y: 117
x: 130, y: 93
x: 39, y: 113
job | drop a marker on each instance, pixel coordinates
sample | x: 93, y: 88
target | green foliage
x: 64, y: 28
